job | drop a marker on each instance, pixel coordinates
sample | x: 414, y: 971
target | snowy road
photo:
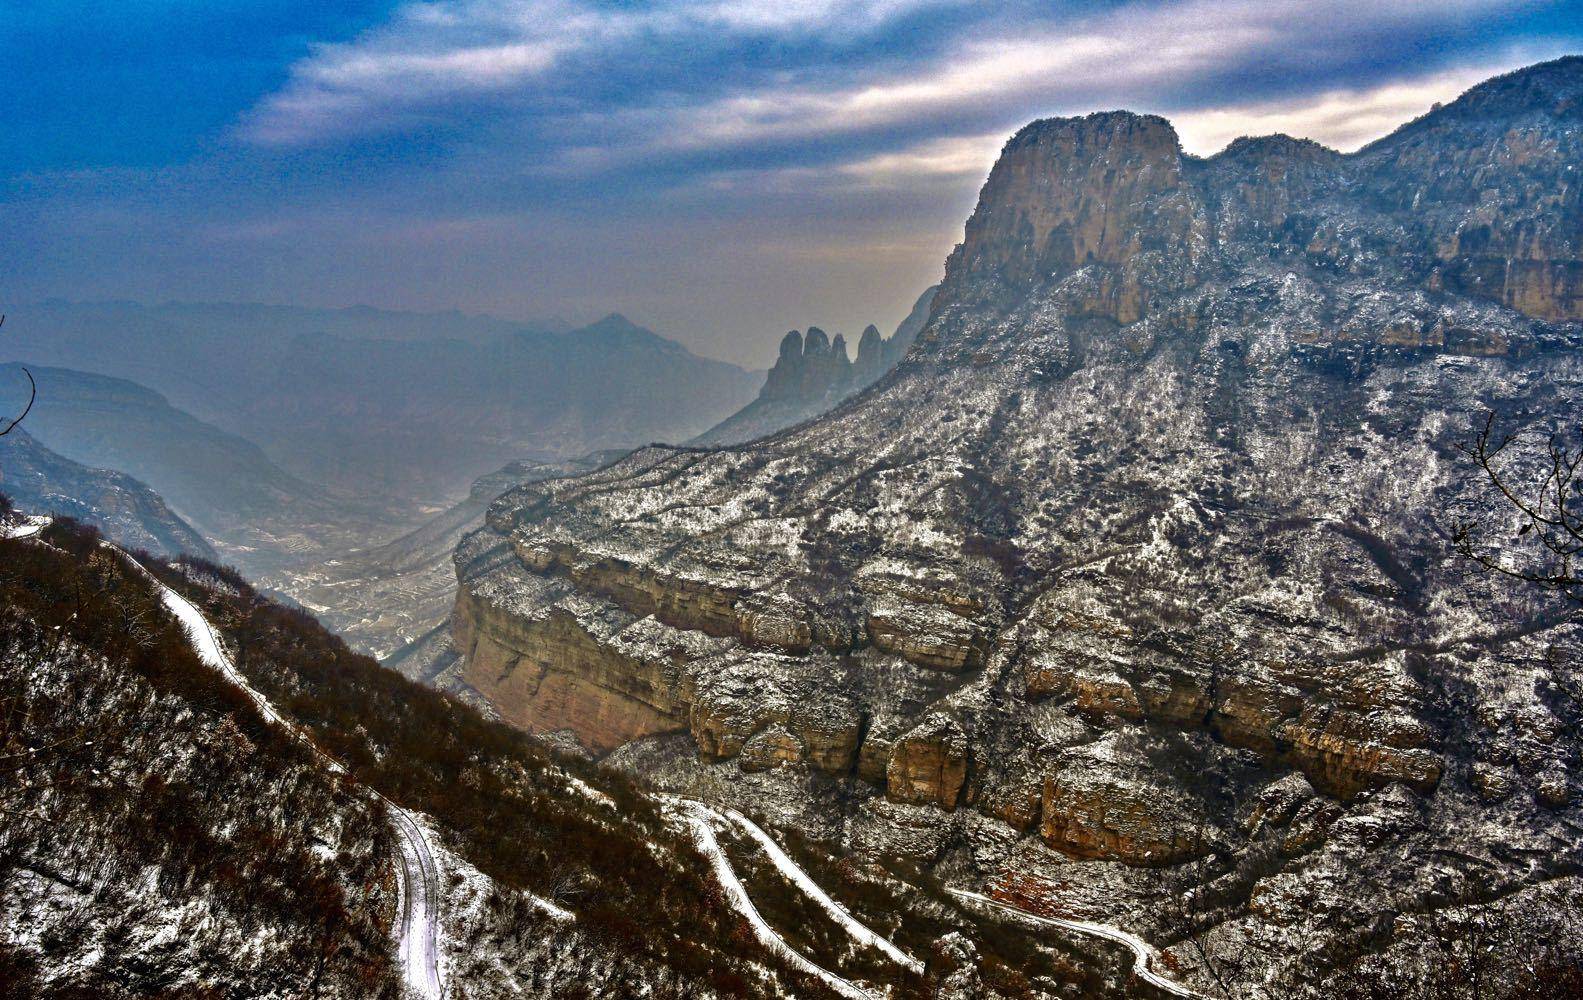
x: 855, y: 929
x: 1143, y: 953
x: 420, y: 889
x: 697, y: 815
x: 418, y: 881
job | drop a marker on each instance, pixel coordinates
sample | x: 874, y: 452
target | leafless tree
x: 31, y: 396
x: 1547, y: 550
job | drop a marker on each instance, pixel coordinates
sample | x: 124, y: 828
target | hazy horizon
x: 717, y: 172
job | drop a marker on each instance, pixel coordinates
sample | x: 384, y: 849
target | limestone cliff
x: 1138, y: 559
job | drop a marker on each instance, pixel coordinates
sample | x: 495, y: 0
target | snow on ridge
x: 29, y: 526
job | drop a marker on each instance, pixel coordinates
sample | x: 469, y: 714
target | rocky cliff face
x: 813, y: 373
x: 1139, y: 558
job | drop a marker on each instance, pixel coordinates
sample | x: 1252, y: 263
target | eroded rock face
x: 551, y: 673
x: 771, y: 747
x: 1163, y: 479
x: 1105, y: 801
x: 930, y: 636
x: 929, y: 764
x: 1108, y: 190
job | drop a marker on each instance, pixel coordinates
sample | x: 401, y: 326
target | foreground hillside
x: 1129, y: 594
x: 159, y: 835
x: 206, y: 794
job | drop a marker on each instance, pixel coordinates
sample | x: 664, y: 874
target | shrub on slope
x: 157, y: 837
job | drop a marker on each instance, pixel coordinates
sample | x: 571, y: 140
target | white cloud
x: 441, y: 49
x: 1341, y: 119
x: 437, y: 52
x: 430, y: 51
x: 1138, y: 49
x: 791, y: 15
x: 947, y: 157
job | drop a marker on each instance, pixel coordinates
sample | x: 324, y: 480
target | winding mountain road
x: 418, y: 877
x: 697, y: 816
x: 1143, y: 953
x: 854, y: 928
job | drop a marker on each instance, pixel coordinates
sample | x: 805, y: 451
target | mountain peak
x: 1263, y: 147
x: 1117, y: 128
x: 615, y: 323
x: 1109, y: 204
x: 615, y: 329
x: 1146, y: 525
x: 1068, y: 192
x: 1546, y: 93
x: 1555, y: 87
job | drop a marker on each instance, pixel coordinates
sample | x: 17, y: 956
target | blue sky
x: 718, y: 169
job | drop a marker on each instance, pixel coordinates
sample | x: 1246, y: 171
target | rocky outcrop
x: 1139, y: 556
x: 1108, y: 189
x: 771, y: 747
x: 930, y: 636
x: 813, y: 373
x: 929, y: 764
x: 730, y: 717
x: 809, y: 369
x: 1485, y: 187
x: 1105, y: 801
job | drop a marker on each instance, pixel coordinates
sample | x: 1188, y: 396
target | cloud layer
x: 654, y: 82
x: 722, y: 168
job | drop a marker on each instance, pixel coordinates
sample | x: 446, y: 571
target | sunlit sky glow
x: 717, y: 169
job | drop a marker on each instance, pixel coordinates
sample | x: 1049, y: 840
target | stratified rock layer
x: 1140, y: 556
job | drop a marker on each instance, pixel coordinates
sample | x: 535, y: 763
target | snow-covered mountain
x: 207, y: 794
x: 1129, y: 593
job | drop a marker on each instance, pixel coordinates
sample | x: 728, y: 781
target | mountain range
x: 1120, y: 638
x: 1130, y: 595
x: 413, y: 415
x: 41, y: 481
x: 220, y: 481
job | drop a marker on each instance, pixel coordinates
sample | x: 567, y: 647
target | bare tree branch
x: 32, y: 395
x: 1549, y: 541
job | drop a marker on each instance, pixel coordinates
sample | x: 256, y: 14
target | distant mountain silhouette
x: 410, y: 405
